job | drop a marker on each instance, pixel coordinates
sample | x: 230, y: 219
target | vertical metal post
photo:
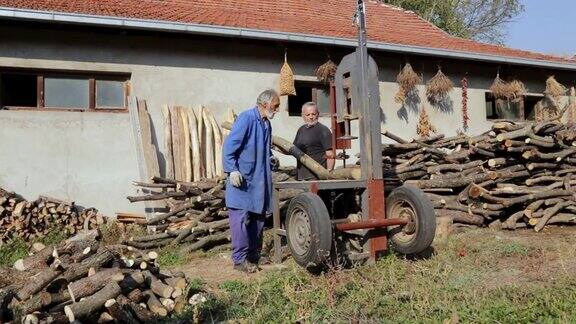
x: 371, y: 160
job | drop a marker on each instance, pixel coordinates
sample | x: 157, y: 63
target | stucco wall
x: 90, y: 157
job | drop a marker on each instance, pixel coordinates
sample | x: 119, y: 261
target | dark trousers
x: 246, y: 231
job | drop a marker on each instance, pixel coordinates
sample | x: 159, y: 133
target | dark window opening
x: 18, y: 90
x: 47, y: 90
x: 309, y: 91
x: 514, y: 109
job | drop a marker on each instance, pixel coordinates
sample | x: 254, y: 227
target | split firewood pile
x: 83, y: 280
x: 197, y: 215
x: 516, y: 175
x: 32, y: 220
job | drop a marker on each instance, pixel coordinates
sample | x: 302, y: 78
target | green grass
x: 465, y: 277
x: 172, y: 256
x: 12, y: 251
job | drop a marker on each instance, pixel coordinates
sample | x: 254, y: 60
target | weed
x: 13, y: 251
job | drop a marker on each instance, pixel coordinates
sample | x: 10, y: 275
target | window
x: 309, y: 91
x: 514, y: 109
x: 59, y: 91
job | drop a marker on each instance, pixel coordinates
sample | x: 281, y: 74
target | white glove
x: 236, y: 178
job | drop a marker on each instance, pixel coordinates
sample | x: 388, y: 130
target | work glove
x: 236, y: 178
x: 274, y: 163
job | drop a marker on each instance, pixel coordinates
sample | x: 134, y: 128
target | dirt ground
x: 533, y: 257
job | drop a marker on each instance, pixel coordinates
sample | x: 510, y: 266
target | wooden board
x: 187, y: 162
x: 168, y: 156
x: 150, y: 155
x: 201, y: 139
x: 219, y: 168
x: 209, y: 144
x: 182, y: 141
x: 176, y: 143
x: 195, y: 145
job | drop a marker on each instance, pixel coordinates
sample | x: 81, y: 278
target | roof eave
x: 108, y: 21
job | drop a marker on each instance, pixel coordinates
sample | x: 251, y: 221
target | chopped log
x: 36, y: 261
x: 168, y: 142
x: 143, y: 314
x: 201, y: 243
x: 136, y: 295
x: 89, y: 285
x: 154, y: 304
x: 37, y: 283
x: 393, y: 137
x: 118, y: 312
x: 549, y: 213
x: 187, y: 157
x: 159, y: 196
x: 80, y: 270
x: 92, y: 303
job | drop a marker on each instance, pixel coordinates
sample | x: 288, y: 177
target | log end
x: 19, y: 265
x: 69, y: 313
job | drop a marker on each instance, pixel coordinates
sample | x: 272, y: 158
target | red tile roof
x: 332, y: 18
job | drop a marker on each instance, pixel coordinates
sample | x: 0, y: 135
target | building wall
x: 91, y: 158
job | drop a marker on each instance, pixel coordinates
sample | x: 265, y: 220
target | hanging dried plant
x: 499, y: 88
x: 287, y: 79
x: 400, y: 96
x: 553, y: 88
x: 438, y: 87
x: 507, y: 90
x: 516, y: 89
x: 465, y: 117
x: 572, y: 106
x: 407, y: 81
x: 326, y: 71
x: 424, y: 127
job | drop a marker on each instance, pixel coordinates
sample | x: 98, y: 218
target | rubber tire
x: 320, y: 229
x: 425, y: 220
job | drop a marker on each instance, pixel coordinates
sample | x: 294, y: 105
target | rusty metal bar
x: 371, y: 223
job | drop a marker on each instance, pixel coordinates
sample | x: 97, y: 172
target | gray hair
x: 310, y: 104
x: 266, y: 96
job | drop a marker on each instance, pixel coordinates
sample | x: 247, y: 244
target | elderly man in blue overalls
x: 246, y: 156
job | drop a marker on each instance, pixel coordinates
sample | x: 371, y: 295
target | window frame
x: 314, y: 86
x: 521, y: 102
x: 92, y: 79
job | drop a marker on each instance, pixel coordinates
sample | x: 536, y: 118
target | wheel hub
x: 299, y: 231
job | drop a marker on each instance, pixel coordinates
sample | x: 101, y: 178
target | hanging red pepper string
x: 465, y: 117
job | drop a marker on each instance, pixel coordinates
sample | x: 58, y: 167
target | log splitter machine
x: 351, y: 220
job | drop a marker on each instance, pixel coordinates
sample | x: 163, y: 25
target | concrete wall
x: 90, y: 157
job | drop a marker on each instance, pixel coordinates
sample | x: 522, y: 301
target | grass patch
x: 172, y: 256
x: 12, y: 251
x: 461, y: 279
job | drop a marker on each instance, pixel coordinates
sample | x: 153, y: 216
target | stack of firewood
x: 81, y: 279
x: 515, y: 175
x: 31, y: 220
x: 197, y: 214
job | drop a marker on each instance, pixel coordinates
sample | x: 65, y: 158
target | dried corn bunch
x: 438, y: 87
x: 499, y: 88
x: 424, y: 127
x: 572, y: 106
x: 407, y: 80
x: 516, y: 89
x: 326, y: 71
x: 553, y: 88
x: 287, y: 79
x: 544, y: 112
